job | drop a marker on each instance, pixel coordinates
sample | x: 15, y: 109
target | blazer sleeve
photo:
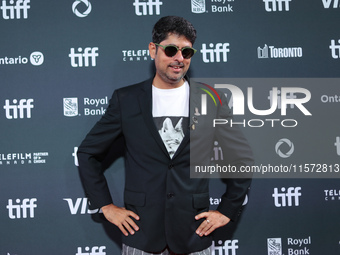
x: 94, y: 149
x: 236, y: 152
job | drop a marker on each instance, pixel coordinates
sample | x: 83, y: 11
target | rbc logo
x: 146, y: 8
x: 214, y: 53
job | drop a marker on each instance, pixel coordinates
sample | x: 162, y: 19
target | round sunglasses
x: 171, y: 50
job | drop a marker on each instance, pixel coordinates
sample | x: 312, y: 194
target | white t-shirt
x: 170, y: 109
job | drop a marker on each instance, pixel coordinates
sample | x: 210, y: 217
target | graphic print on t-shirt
x: 171, y: 131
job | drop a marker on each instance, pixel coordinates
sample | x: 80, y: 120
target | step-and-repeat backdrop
x: 278, y: 63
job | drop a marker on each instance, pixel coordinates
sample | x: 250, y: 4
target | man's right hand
x: 121, y: 218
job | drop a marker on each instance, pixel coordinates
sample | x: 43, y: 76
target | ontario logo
x: 204, y: 97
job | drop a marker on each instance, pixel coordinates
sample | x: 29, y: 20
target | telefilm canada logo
x: 283, y: 100
x: 216, y: 6
x: 22, y: 158
x: 135, y: 55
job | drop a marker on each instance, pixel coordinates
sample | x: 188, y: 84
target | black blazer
x: 157, y: 188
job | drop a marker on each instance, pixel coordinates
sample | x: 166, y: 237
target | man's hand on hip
x: 213, y: 220
x: 121, y: 218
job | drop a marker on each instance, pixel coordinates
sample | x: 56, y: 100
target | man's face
x: 170, y: 70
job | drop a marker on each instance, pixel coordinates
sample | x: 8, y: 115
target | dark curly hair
x: 173, y: 25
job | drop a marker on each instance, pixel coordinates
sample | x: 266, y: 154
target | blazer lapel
x: 193, y: 103
x: 145, y: 102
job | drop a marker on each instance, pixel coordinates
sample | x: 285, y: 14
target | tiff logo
x: 95, y: 250
x: 20, y: 209
x: 82, y: 204
x: 276, y: 5
x: 289, y: 95
x: 12, y: 111
x: 214, y: 53
x: 14, y: 10
x: 80, y: 59
x: 335, y: 49
x: 146, y: 8
x: 327, y: 3
x: 287, y: 198
x: 337, y: 145
x: 229, y: 247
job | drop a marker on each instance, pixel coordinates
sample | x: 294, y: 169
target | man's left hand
x: 213, y: 220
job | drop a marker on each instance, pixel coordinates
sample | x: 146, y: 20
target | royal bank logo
x: 335, y: 49
x: 71, y: 106
x: 276, y: 5
x: 274, y: 246
x: 273, y: 52
x: 198, y: 6
x: 90, y: 107
x: 149, y: 7
x: 284, y: 148
x: 328, y: 4
x: 15, y: 9
x: 81, y: 8
x: 216, y: 6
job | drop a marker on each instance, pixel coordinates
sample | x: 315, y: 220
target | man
x: 166, y: 211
